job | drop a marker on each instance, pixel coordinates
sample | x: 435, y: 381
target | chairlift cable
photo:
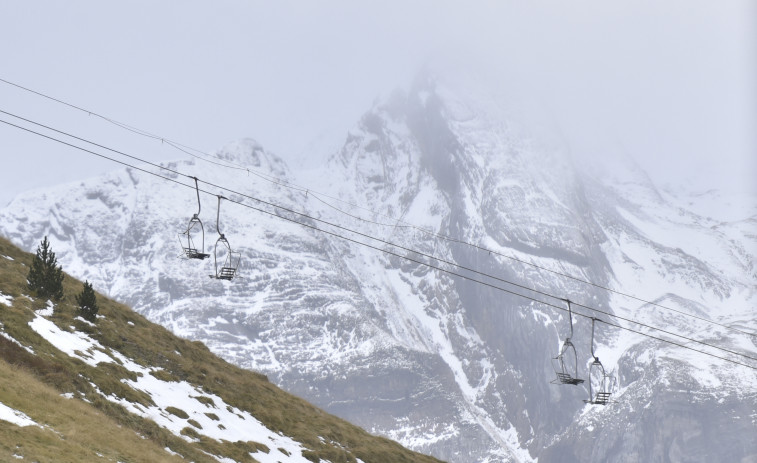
x: 186, y: 149
x: 396, y: 254
x: 87, y: 141
x: 404, y: 257
x: 385, y: 242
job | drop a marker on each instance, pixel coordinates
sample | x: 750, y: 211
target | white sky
x: 672, y: 83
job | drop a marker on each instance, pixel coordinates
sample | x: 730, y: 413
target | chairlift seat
x: 565, y: 378
x: 193, y: 253
x: 602, y: 398
x: 564, y: 371
x: 227, y: 273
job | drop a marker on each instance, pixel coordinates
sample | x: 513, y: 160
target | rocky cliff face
x: 443, y: 364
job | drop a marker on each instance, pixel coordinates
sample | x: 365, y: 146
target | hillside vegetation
x: 124, y: 389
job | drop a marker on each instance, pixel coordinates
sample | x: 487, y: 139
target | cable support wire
x: 388, y: 243
x: 405, y: 257
x: 230, y: 165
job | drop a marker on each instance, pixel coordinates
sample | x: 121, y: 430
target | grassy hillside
x: 100, y: 392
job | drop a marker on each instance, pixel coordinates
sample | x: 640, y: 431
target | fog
x: 671, y: 84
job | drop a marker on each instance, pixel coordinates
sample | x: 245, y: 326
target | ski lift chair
x: 194, y: 230
x: 566, y: 362
x: 189, y: 250
x: 601, y: 383
x: 229, y: 260
x: 565, y: 374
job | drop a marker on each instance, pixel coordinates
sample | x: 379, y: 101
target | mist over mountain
x: 444, y: 365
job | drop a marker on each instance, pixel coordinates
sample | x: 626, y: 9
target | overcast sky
x: 672, y: 83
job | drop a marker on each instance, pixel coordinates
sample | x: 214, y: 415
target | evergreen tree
x: 87, y: 300
x: 45, y: 276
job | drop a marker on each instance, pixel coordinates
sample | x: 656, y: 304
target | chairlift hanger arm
x: 570, y: 318
x: 197, y: 189
x: 218, y: 215
x: 593, y: 319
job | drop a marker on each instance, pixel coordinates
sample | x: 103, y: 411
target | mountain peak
x: 248, y: 152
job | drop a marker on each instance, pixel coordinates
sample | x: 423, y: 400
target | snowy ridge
x: 441, y: 364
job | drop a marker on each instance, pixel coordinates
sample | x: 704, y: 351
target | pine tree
x: 87, y: 300
x: 45, y: 276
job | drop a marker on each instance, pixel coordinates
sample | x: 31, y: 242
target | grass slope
x: 89, y: 427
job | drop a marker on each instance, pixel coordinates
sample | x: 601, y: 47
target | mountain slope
x: 440, y: 363
x: 124, y: 389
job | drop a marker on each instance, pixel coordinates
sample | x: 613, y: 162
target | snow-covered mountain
x: 444, y: 365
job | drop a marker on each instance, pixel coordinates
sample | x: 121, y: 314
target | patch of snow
x: 222, y: 459
x: 15, y: 417
x: 8, y: 257
x: 6, y: 299
x: 431, y: 329
x: 74, y: 344
x: 718, y: 205
x: 13, y: 340
x: 238, y: 424
x: 47, y: 311
x: 513, y: 445
x: 408, y: 433
x: 276, y: 456
x: 87, y: 322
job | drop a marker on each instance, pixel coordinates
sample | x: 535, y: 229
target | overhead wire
x: 383, y: 241
x: 189, y: 150
x: 436, y: 267
x: 179, y: 146
x: 374, y: 238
